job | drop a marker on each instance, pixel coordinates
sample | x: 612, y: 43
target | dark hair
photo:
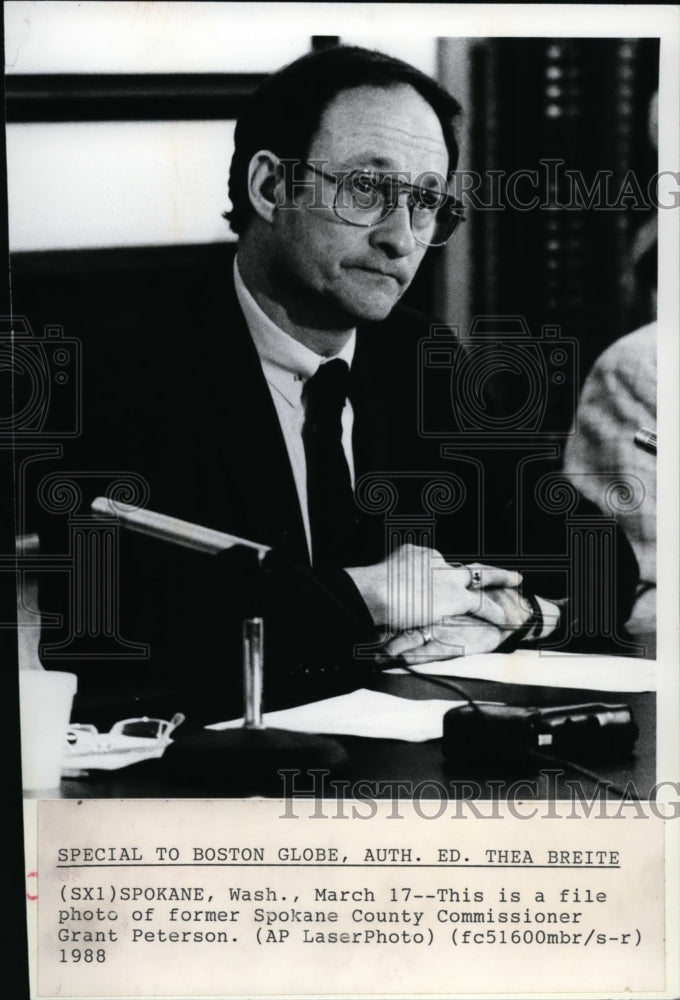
x: 284, y: 113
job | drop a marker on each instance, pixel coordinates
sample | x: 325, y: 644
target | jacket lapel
x: 258, y: 497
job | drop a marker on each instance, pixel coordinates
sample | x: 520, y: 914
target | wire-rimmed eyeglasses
x: 366, y: 197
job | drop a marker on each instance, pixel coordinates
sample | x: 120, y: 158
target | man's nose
x: 394, y: 234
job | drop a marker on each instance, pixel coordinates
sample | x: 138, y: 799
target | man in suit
x: 324, y: 248
x: 339, y: 187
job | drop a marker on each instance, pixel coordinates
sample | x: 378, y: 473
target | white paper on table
x: 362, y: 713
x: 544, y: 669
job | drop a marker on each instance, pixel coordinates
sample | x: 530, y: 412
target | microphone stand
x: 246, y: 760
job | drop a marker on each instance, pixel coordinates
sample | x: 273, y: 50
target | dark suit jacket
x: 176, y: 407
x: 177, y: 416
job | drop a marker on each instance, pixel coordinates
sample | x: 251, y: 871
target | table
x: 377, y: 768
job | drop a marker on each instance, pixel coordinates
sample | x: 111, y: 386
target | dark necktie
x: 330, y: 499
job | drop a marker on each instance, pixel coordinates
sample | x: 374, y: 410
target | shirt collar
x: 286, y: 363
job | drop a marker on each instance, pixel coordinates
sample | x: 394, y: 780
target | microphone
x: 245, y: 760
x: 172, y: 529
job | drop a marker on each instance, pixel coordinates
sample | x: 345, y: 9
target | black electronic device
x: 475, y: 733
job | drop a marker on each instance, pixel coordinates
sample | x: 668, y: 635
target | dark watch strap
x: 528, y: 632
x: 536, y: 623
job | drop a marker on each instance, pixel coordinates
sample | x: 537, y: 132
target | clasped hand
x: 427, y: 611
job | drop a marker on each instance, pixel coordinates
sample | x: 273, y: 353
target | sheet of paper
x: 563, y: 670
x: 362, y: 713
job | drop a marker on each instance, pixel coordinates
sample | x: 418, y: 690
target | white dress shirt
x: 287, y: 364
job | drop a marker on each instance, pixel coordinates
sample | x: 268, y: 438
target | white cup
x: 45, y: 700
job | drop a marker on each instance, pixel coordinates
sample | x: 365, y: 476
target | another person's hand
x: 415, y: 586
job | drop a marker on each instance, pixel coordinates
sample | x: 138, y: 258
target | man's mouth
x: 379, y: 273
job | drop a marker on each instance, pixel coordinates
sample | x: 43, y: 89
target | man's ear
x: 265, y: 183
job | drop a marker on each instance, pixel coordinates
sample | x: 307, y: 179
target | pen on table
x: 646, y: 440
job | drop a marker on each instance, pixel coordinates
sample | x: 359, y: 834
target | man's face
x: 334, y: 273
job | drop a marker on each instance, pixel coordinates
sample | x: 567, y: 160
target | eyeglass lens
x: 365, y: 200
